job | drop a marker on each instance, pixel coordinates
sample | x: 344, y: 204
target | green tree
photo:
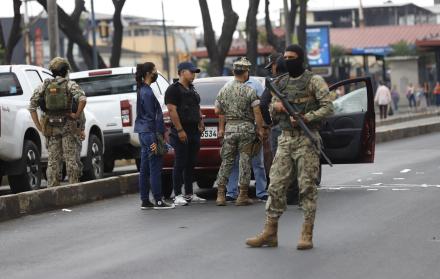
x: 403, y: 48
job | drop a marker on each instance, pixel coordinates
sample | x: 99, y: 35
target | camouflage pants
x: 78, y: 154
x: 60, y: 147
x: 233, y: 144
x: 295, y: 158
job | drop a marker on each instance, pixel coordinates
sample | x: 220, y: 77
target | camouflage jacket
x: 236, y: 101
x: 70, y: 125
x: 309, y: 93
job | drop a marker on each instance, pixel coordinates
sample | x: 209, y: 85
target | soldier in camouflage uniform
x: 58, y: 124
x: 296, y: 156
x: 238, y: 105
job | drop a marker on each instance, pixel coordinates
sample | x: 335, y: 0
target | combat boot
x: 243, y: 197
x: 221, y: 195
x: 305, y: 241
x: 269, y: 235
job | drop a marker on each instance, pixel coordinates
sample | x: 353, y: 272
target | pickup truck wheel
x: 95, y: 162
x: 30, y: 178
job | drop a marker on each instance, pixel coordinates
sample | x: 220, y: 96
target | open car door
x: 349, y: 134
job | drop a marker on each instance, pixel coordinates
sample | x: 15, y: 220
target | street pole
x: 52, y: 25
x: 95, y: 52
x: 167, y: 58
x: 287, y: 27
x: 27, y: 41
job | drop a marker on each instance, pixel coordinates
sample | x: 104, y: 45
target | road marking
x: 377, y: 184
x: 405, y: 170
x: 359, y: 180
x: 372, y: 189
x: 400, y: 189
x: 398, y: 178
x: 377, y: 173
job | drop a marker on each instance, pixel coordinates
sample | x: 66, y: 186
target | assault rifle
x: 293, y: 110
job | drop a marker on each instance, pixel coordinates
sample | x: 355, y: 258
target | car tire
x: 206, y: 181
x: 95, y: 163
x: 167, y: 185
x: 30, y: 178
x: 109, y: 163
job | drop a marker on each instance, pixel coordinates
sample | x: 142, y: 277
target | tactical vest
x: 57, y: 98
x: 189, y: 107
x: 297, y: 93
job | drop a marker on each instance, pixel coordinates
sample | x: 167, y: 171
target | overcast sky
x: 187, y: 12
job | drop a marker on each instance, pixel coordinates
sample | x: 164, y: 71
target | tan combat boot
x: 269, y: 235
x: 243, y: 198
x: 221, y: 198
x: 305, y: 241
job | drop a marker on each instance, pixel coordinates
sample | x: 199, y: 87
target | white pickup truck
x: 23, y: 153
x: 111, y: 96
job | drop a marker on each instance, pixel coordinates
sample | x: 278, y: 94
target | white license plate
x: 210, y: 133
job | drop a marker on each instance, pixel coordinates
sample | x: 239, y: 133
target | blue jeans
x: 259, y: 174
x: 150, y: 169
x: 184, y: 161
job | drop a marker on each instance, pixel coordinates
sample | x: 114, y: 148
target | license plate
x: 210, y: 133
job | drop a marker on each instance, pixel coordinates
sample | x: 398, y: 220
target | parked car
x: 23, y: 153
x: 111, y: 97
x: 348, y: 135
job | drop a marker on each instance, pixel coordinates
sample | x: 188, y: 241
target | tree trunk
x: 292, y: 17
x: 302, y: 38
x: 75, y: 16
x: 117, y: 33
x: 252, y: 34
x: 273, y: 40
x: 15, y: 34
x: 2, y: 39
x: 217, y: 51
x: 74, y: 33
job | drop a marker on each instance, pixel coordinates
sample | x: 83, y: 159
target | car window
x: 162, y: 83
x: 9, y: 85
x: 34, y: 78
x: 45, y: 75
x: 351, y: 98
x: 107, y: 85
x: 208, y: 91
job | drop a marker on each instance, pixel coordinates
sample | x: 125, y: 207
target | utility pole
x: 27, y: 43
x: 361, y: 15
x: 52, y: 25
x: 167, y: 57
x: 95, y: 52
x: 287, y: 27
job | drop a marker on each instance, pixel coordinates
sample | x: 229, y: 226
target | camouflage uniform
x: 236, y: 101
x: 296, y: 155
x: 61, y: 141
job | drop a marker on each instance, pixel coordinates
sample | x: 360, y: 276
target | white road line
x: 398, y: 178
x: 405, y: 170
x: 377, y: 173
x: 372, y: 189
x: 400, y: 189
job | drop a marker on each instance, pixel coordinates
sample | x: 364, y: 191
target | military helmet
x: 242, y: 64
x: 57, y: 64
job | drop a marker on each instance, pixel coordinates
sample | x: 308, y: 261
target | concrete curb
x: 395, y: 134
x: 17, y: 205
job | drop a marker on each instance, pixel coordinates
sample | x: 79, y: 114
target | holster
x: 253, y: 148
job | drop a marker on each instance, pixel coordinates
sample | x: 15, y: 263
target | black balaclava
x: 295, y: 67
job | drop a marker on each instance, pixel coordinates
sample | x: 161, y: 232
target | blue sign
x: 379, y: 51
x: 318, y: 46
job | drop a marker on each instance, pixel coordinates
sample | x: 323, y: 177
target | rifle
x: 293, y: 111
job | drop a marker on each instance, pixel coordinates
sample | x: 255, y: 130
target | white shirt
x: 383, y: 95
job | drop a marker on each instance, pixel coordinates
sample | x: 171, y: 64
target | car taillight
x: 126, y: 114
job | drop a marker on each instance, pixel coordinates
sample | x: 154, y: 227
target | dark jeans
x: 150, y: 169
x: 383, y: 111
x: 412, y: 100
x: 184, y: 161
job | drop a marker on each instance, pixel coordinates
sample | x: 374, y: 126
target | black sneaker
x: 147, y: 205
x: 163, y: 205
x: 263, y: 198
x: 230, y: 199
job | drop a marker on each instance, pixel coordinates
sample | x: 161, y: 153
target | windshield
x: 107, y: 85
x: 9, y: 85
x: 208, y: 91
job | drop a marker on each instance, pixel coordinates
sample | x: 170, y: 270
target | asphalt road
x: 374, y: 221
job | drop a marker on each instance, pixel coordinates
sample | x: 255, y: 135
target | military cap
x: 242, y: 64
x: 57, y: 63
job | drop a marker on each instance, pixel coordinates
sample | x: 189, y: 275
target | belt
x: 301, y: 100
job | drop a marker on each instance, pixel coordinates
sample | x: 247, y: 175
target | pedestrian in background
x: 410, y: 95
x: 436, y: 93
x: 395, y: 97
x: 257, y: 160
x: 183, y: 103
x: 383, y: 99
x: 151, y: 128
x: 237, y: 104
x: 59, y: 124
